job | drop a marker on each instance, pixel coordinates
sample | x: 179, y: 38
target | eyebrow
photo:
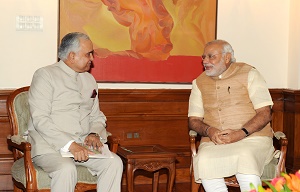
x: 91, y: 52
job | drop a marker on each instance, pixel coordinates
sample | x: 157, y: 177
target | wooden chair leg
x: 195, y: 186
x: 16, y: 189
x: 201, y: 188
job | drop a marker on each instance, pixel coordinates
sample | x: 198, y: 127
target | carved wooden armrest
x: 279, y: 134
x: 283, y: 141
x: 193, y: 135
x: 19, y: 143
x: 113, y: 143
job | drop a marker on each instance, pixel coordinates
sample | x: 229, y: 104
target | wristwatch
x: 96, y: 134
x: 245, y: 131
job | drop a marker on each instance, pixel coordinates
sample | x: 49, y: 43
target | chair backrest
x: 18, y: 111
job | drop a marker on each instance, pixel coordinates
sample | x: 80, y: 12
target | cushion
x: 22, y: 112
x: 43, y: 180
x: 270, y: 170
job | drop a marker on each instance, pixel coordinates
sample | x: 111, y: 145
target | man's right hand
x: 80, y: 153
x: 213, y: 134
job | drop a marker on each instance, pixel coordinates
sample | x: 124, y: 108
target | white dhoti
x: 247, y: 156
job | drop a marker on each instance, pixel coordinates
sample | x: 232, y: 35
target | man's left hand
x: 93, y: 140
x: 231, y: 136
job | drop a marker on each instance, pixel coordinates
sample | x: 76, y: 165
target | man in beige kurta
x: 64, y: 109
x: 230, y: 107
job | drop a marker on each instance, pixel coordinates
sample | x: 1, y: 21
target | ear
x: 71, y: 56
x: 228, y: 58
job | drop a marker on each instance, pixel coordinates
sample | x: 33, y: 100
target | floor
x: 180, y: 187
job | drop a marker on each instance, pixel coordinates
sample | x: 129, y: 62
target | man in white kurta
x: 64, y: 108
x: 230, y: 107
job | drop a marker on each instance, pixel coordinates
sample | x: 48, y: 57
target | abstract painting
x: 144, y: 41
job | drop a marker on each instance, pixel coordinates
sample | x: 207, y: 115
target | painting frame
x: 133, y: 64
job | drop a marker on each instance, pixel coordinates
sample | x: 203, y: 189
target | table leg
x: 171, y: 177
x: 155, y: 181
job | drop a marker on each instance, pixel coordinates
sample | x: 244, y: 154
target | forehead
x: 86, y: 45
x: 212, y: 48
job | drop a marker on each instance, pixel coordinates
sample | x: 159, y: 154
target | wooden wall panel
x: 6, y: 158
x: 154, y: 114
x: 291, y: 122
x: 277, y: 109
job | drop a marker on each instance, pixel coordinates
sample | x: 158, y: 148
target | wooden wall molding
x: 160, y: 117
x: 6, y: 158
x: 291, y: 124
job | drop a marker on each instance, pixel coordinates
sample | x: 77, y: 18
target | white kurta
x: 248, y: 156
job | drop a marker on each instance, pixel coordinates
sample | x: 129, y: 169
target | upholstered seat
x: 43, y: 180
x: 271, y: 170
x: 26, y: 175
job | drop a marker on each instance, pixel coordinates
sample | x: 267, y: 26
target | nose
x: 91, y: 56
x: 205, y: 60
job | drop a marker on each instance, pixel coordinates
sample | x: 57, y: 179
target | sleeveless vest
x: 226, y: 101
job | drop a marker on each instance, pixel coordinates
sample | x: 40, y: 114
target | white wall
x: 22, y: 52
x: 258, y: 32
x: 257, y: 29
x: 293, y: 75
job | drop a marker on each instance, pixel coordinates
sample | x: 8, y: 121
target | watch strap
x: 245, y: 131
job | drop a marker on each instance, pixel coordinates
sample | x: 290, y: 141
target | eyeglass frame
x: 211, y: 57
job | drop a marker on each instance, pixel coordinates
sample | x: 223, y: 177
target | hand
x: 231, y: 136
x: 93, y: 141
x: 214, y: 135
x: 79, y: 152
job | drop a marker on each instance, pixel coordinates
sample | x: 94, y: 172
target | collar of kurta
x: 67, y: 69
x: 232, y: 69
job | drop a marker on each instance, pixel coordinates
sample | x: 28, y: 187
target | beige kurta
x: 222, y: 102
x: 63, y: 107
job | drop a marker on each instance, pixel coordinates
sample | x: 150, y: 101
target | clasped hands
x: 81, y: 153
x: 225, y: 136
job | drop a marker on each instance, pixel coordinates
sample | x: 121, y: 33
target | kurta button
x: 220, y: 109
x: 218, y: 87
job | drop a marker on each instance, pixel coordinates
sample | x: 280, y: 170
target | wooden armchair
x: 271, y: 170
x: 26, y: 175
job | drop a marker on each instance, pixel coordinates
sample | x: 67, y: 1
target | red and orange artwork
x: 148, y: 41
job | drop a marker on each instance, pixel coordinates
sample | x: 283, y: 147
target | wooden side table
x: 151, y: 158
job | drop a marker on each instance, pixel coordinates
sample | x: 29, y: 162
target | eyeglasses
x: 211, y: 57
x: 89, y: 53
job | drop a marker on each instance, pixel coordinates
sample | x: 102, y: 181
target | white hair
x: 226, y: 48
x: 70, y: 43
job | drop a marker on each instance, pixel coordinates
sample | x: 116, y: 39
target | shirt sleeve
x: 258, y: 91
x: 98, y: 121
x: 67, y: 146
x: 195, y: 102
